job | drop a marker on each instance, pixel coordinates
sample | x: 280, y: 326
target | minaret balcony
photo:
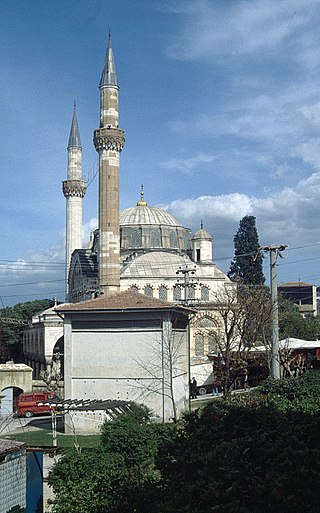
x: 108, y: 138
x: 74, y: 188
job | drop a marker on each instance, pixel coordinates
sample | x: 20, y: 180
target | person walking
x: 193, y: 388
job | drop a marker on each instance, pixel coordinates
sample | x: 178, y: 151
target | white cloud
x: 88, y: 228
x: 243, y: 27
x: 190, y: 164
x: 290, y: 216
x: 309, y: 151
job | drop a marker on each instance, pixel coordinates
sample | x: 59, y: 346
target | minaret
x: 109, y: 141
x: 74, y: 189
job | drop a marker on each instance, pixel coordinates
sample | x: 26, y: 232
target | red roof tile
x: 127, y: 300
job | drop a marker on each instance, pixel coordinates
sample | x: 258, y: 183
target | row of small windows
x: 177, y: 292
x: 132, y: 237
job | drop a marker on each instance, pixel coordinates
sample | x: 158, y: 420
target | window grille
x: 199, y: 345
x: 204, y: 293
x: 163, y: 293
x: 155, y: 238
x: 148, y: 290
x: 191, y: 292
x: 177, y: 293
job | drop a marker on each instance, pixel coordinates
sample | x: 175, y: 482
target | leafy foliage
x: 292, y: 324
x: 247, y: 263
x: 256, y: 452
x: 119, y: 476
x: 11, y: 331
x: 249, y: 454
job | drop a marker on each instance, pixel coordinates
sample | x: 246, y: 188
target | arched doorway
x: 58, y: 356
x: 9, y: 397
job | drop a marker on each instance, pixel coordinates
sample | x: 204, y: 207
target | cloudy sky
x: 220, y: 102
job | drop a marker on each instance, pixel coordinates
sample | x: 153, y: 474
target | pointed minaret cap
x: 74, y: 137
x: 142, y: 202
x: 109, y: 74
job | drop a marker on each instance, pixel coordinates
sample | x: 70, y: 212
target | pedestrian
x: 193, y: 388
x: 215, y: 389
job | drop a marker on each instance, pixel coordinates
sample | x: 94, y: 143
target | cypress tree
x: 246, y: 266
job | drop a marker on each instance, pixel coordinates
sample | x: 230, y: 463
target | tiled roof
x: 295, y: 284
x: 127, y: 300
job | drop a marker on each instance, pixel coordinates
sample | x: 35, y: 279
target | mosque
x: 146, y: 246
x: 142, y: 249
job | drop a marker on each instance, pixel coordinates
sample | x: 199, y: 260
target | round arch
x: 9, y: 397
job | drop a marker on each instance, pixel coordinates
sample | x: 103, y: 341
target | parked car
x: 28, y: 404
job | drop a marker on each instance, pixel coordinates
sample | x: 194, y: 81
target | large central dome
x: 145, y: 215
x: 150, y: 228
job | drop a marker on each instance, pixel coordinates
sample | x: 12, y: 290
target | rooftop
x: 127, y: 300
x: 295, y: 284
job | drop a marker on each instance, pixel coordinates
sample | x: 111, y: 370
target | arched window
x: 163, y: 293
x: 148, y: 290
x: 206, y: 322
x: 199, y: 345
x: 191, y: 292
x: 134, y: 236
x: 204, y: 293
x: 173, y: 241
x: 177, y: 293
x: 155, y: 238
x: 134, y: 288
x: 212, y: 344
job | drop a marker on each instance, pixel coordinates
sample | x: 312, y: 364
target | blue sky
x: 220, y: 102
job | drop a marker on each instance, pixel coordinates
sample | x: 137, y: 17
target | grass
x: 203, y: 401
x: 43, y: 437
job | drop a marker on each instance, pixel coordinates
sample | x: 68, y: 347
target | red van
x: 27, y: 404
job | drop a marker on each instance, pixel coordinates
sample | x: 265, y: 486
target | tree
x: 246, y: 266
x: 292, y: 324
x: 119, y: 476
x: 243, y: 315
x: 164, y: 364
x: 247, y: 455
x: 13, y: 319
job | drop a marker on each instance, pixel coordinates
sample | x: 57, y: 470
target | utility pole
x: 186, y: 271
x: 274, y: 251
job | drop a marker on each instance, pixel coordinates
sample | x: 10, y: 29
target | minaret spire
x: 74, y: 189
x: 109, y: 74
x: 74, y: 137
x: 109, y: 141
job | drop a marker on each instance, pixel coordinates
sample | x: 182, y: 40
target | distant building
x: 304, y: 295
x: 41, y: 339
x: 15, y: 378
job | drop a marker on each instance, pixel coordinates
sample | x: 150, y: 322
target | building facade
x: 130, y: 347
x: 43, y: 338
x: 302, y: 294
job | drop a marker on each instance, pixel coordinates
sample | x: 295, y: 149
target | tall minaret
x: 74, y: 189
x: 109, y: 141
